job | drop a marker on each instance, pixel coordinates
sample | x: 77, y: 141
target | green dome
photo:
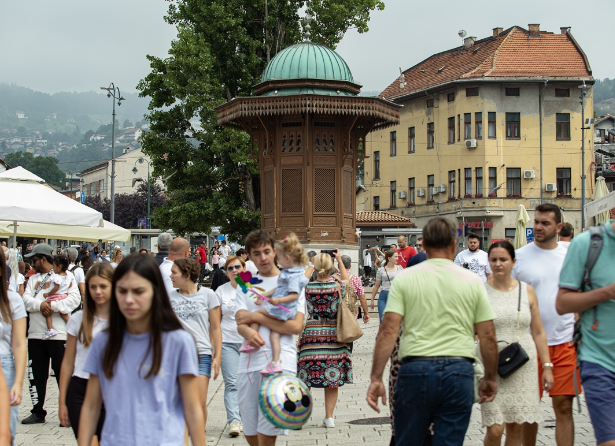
x: 307, y: 60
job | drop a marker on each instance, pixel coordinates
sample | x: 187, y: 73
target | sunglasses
x: 236, y: 267
x: 419, y: 245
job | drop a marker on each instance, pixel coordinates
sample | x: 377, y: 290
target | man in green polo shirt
x: 441, y: 305
x: 596, y: 350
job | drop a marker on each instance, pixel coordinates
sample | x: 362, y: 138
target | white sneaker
x: 234, y: 429
x: 328, y: 423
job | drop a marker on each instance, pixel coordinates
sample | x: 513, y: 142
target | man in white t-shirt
x: 250, y: 266
x: 540, y: 264
x: 566, y: 235
x: 77, y: 271
x: 257, y: 429
x: 224, y: 250
x: 367, y: 261
x: 474, y: 258
x: 180, y: 249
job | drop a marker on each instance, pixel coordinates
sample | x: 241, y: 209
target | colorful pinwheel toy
x: 247, y: 282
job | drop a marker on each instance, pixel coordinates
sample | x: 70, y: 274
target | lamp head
x: 134, y: 170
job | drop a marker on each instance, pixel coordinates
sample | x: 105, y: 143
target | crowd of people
x: 112, y: 329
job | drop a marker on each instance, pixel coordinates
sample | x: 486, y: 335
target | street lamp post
x: 135, y: 170
x: 114, y: 92
x: 583, y: 93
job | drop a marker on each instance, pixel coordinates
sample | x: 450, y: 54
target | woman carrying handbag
x: 516, y: 306
x: 323, y: 361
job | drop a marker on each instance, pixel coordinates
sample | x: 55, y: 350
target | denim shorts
x: 599, y: 387
x: 205, y: 365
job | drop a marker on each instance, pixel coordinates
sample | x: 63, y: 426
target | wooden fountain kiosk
x: 307, y: 126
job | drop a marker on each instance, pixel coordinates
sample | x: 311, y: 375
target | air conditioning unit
x: 434, y: 190
x: 529, y: 174
x: 551, y: 187
x: 401, y: 194
x: 420, y: 192
x: 470, y: 143
x: 441, y: 188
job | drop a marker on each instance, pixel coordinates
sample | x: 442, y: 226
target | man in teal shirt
x: 440, y: 305
x: 596, y: 351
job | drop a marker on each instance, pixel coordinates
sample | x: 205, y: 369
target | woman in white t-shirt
x: 81, y: 329
x: 384, y: 277
x: 231, y: 343
x: 16, y: 281
x: 13, y: 355
x: 198, y: 310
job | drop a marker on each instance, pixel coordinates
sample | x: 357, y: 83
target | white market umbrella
x: 600, y: 191
x: 25, y: 198
x: 521, y: 222
x: 109, y: 232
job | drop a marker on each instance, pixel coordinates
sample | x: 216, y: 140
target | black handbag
x: 512, y: 357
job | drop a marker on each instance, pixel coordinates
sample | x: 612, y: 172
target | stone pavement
x: 355, y: 421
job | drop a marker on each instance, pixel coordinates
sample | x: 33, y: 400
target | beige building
x: 483, y: 128
x: 96, y: 180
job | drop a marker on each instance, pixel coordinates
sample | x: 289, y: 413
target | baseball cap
x: 41, y: 249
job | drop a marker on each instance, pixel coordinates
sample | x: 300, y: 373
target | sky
x: 75, y: 45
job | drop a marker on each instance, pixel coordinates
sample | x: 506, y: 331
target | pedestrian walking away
x: 164, y: 244
x: 40, y: 352
x: 384, y: 278
x: 440, y: 305
x: 179, y: 249
x: 359, y: 291
x: 231, y: 342
x: 539, y: 264
x: 474, y: 258
x: 201, y: 256
x: 282, y: 301
x: 77, y: 271
x: 518, y: 320
x: 324, y: 362
x: 82, y: 328
x: 13, y: 354
x: 198, y: 310
x: 367, y: 262
x: 405, y: 251
x: 144, y: 352
x: 256, y: 427
x: 590, y: 291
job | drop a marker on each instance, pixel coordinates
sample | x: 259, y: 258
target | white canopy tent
x: 109, y: 232
x: 25, y: 198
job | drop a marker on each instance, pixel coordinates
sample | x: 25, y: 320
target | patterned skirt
x: 322, y: 362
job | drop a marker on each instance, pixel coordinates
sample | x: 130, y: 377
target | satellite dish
x: 462, y: 33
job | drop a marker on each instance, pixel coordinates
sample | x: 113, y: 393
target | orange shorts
x: 564, y: 359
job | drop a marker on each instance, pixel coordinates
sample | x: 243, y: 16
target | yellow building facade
x: 474, y: 147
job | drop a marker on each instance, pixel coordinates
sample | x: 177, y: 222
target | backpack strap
x: 596, y: 240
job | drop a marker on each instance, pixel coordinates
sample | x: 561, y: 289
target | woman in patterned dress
x: 323, y: 362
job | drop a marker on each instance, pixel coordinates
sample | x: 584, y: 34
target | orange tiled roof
x: 511, y: 54
x: 382, y: 217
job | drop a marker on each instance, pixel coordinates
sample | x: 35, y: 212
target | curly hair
x: 189, y: 268
x: 292, y: 246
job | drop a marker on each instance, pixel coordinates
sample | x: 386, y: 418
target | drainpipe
x: 540, y: 94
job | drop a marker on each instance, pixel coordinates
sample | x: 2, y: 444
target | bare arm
x: 291, y: 326
x: 540, y: 338
x: 309, y: 271
x: 284, y: 299
x: 489, y: 351
x: 341, y: 267
x: 20, y: 353
x: 244, y: 329
x: 193, y: 411
x: 52, y: 291
x: 81, y: 287
x: 20, y: 290
x: 66, y: 372
x: 385, y: 342
x: 364, y: 307
x: 571, y: 301
x: 215, y: 314
x: 374, y: 291
x: 90, y: 411
x: 71, y: 302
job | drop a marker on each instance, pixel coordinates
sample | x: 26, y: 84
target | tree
x: 221, y: 50
x: 129, y: 207
x: 45, y: 167
x: 127, y: 123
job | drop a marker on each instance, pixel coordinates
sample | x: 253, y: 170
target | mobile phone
x: 331, y: 252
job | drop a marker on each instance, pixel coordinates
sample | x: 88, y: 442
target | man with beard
x: 404, y: 251
x: 540, y: 264
x: 474, y: 258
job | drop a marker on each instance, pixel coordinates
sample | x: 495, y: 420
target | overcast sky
x: 80, y: 45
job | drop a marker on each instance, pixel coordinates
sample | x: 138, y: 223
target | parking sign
x: 529, y: 234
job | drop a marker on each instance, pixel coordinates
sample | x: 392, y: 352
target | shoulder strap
x: 596, y: 240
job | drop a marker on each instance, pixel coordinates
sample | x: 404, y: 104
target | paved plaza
x: 355, y: 421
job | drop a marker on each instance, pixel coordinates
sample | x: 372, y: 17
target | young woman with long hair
x: 13, y: 353
x: 384, y: 277
x: 117, y: 257
x: 199, y: 313
x: 16, y: 282
x: 81, y: 329
x: 144, y: 366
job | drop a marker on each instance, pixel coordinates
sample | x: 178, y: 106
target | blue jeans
x: 599, y: 388
x: 8, y: 368
x: 382, y: 302
x: 434, y: 391
x: 229, y: 365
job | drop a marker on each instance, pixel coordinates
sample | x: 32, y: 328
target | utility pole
x: 114, y: 92
x: 135, y: 170
x: 583, y: 93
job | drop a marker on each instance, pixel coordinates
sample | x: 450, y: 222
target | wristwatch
x: 547, y: 364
